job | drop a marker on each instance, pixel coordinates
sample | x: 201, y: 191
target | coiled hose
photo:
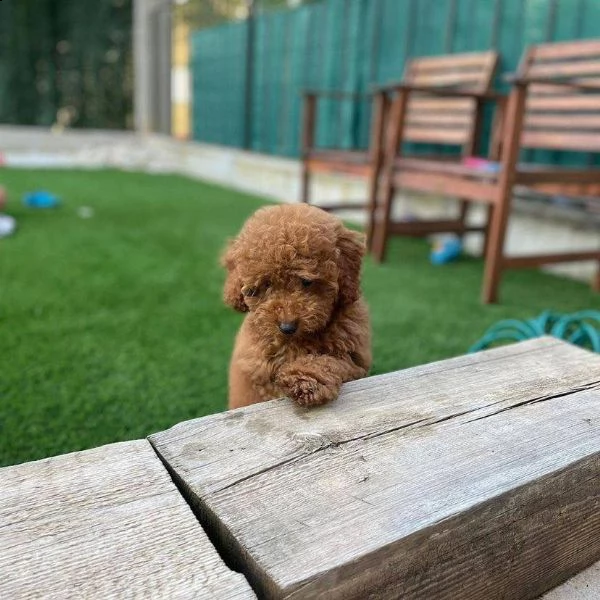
x: 581, y: 328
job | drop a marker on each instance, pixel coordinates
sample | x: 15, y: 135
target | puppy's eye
x: 250, y: 292
x: 306, y: 283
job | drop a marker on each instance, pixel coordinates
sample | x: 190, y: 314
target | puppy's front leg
x: 316, y: 379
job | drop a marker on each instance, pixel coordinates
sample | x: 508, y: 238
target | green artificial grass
x: 112, y: 327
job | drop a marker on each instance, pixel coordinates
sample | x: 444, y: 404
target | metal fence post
x: 249, y: 72
x: 152, y: 60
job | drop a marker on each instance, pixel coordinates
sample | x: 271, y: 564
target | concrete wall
x: 532, y: 229
x: 152, y: 65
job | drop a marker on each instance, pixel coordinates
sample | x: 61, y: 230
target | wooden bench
x: 473, y: 478
x: 441, y: 121
x: 554, y: 105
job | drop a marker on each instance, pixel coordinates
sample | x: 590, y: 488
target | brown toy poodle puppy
x: 295, y: 271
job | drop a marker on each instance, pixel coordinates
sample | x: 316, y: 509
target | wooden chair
x: 429, y: 123
x: 554, y: 104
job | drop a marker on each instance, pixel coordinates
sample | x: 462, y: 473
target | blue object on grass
x: 581, y: 328
x: 445, y: 251
x: 41, y: 199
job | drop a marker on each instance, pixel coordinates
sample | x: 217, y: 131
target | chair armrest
x: 577, y: 84
x: 390, y: 86
x: 444, y: 92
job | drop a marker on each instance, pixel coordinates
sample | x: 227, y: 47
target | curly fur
x: 296, y: 264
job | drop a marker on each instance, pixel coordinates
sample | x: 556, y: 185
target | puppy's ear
x: 351, y: 247
x: 232, y: 290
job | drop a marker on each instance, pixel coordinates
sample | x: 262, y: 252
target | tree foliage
x: 67, y: 61
x: 206, y: 13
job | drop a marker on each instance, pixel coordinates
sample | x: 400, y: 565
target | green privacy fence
x: 73, y: 55
x: 253, y: 99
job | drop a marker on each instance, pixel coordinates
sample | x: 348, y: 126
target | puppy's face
x: 290, y: 267
x: 291, y: 302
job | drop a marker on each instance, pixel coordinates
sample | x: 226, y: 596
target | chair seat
x: 335, y: 155
x: 352, y: 162
x: 526, y: 172
x: 445, y: 165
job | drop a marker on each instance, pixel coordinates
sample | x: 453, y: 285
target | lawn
x: 112, y: 327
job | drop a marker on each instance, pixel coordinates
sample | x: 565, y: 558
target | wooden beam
x: 561, y: 140
x: 563, y: 103
x: 333, y: 166
x: 436, y: 135
x: 556, y: 70
x: 564, y: 50
x: 105, y: 523
x: 343, y: 206
x: 536, y: 260
x: 528, y: 174
x: 477, y: 60
x: 422, y: 228
x: 476, y: 477
x: 576, y: 190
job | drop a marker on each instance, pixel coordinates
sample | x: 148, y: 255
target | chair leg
x: 385, y: 187
x: 486, y: 236
x: 382, y: 224
x: 495, y: 246
x: 372, y: 207
x: 381, y: 106
x: 308, y: 138
x: 596, y: 280
x: 494, y: 256
x: 462, y: 217
x: 305, y: 184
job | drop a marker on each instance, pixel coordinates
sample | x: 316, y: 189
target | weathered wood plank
x: 105, y: 523
x: 584, y: 586
x: 477, y: 477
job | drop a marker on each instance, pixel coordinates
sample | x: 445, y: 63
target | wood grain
x: 442, y: 183
x: 105, y: 523
x: 419, y: 104
x: 463, y: 61
x: 457, y: 135
x: 556, y: 70
x: 537, y: 260
x: 571, y: 103
x: 477, y: 477
x: 563, y: 50
x: 571, y: 140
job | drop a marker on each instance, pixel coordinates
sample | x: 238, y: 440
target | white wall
x: 277, y: 179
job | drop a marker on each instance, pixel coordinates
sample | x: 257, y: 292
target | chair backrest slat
x: 432, y: 105
x: 555, y: 70
x: 567, y: 50
x: 440, y: 120
x: 562, y: 116
x: 563, y: 104
x: 579, y: 141
x: 549, y: 89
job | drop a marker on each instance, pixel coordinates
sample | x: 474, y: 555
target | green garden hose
x: 581, y: 328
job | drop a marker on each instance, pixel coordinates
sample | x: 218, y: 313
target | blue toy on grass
x: 40, y: 199
x: 445, y: 250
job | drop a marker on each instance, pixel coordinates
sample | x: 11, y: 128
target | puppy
x: 295, y: 271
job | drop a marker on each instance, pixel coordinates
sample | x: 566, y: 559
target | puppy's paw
x: 309, y: 392
x: 306, y: 390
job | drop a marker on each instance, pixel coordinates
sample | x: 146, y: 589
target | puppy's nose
x: 288, y: 327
